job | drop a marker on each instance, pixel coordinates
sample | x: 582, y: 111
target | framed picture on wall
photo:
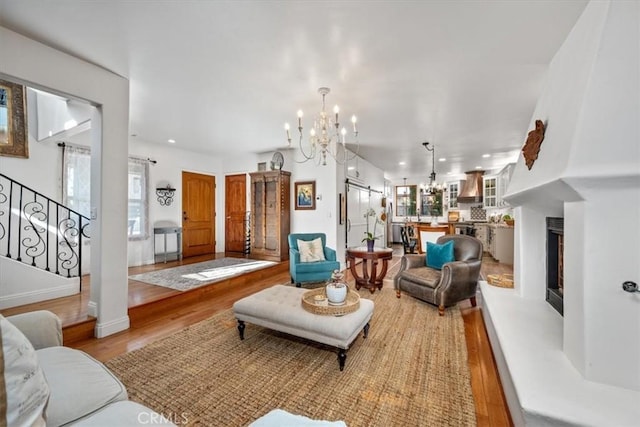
x: 305, y: 195
x: 13, y: 120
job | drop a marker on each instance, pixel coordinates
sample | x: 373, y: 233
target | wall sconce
x: 165, y: 195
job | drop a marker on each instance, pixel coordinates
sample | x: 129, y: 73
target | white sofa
x: 59, y: 385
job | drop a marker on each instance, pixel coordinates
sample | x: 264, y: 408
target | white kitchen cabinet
x: 501, y: 243
x: 453, y: 189
x: 490, y: 191
x: 495, y: 187
x: 481, y: 234
x: 503, y: 182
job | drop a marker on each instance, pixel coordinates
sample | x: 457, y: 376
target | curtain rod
x: 63, y: 145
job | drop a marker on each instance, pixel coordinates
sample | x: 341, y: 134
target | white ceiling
x: 224, y: 76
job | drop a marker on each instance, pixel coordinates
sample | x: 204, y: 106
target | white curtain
x: 76, y: 179
x: 138, y: 198
x: 76, y: 188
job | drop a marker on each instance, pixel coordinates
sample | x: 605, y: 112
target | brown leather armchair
x: 458, y: 280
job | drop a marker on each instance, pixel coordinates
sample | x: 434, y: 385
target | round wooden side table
x: 370, y: 278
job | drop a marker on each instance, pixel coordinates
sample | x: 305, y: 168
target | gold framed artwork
x: 305, y: 195
x: 13, y: 120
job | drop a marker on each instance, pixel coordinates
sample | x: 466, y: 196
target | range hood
x: 472, y: 189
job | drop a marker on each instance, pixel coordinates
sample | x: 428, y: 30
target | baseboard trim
x: 92, y: 309
x: 104, y: 329
x: 15, y: 300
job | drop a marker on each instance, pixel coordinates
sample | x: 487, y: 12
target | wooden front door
x: 235, y: 210
x: 198, y: 214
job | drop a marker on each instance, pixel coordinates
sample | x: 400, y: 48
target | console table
x: 371, y: 278
x: 164, y: 230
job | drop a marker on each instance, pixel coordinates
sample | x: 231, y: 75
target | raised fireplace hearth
x: 555, y: 263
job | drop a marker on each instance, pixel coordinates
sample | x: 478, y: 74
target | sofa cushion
x: 23, y: 387
x: 128, y: 414
x: 80, y: 385
x: 318, y: 267
x: 311, y: 251
x: 423, y: 275
x: 439, y: 255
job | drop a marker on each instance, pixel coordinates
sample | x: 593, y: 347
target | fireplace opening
x: 555, y: 263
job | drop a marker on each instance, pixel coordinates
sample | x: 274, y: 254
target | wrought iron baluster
x: 57, y: 240
x: 47, y: 237
x: 3, y: 200
x: 33, y: 242
x: 20, y: 226
x: 35, y: 217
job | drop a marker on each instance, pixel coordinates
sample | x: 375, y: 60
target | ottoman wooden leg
x: 241, y: 328
x: 342, y: 357
x: 366, y: 330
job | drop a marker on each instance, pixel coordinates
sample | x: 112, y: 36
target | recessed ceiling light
x: 351, y: 168
x: 478, y: 167
x: 171, y: 141
x: 442, y: 159
x: 402, y: 163
x: 486, y: 155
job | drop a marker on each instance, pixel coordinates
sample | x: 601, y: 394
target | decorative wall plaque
x: 532, y: 146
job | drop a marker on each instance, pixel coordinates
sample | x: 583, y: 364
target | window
x: 406, y: 199
x: 138, y: 207
x: 431, y: 203
x: 77, y: 188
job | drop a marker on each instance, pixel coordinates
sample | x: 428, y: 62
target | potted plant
x: 370, y: 237
x: 508, y: 219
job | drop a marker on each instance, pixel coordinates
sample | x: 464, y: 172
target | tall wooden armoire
x: 270, y: 215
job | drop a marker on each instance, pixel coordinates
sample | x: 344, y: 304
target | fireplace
x: 555, y: 263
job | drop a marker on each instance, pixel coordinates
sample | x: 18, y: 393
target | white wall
x: 23, y: 284
x: 588, y: 171
x: 22, y: 61
x: 171, y: 162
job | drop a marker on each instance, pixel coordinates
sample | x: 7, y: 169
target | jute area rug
x: 410, y: 371
x: 199, y: 274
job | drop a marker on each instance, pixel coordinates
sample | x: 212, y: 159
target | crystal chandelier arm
x: 312, y: 153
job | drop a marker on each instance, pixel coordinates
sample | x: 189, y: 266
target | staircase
x: 42, y: 246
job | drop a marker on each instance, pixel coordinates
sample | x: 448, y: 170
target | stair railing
x: 39, y: 231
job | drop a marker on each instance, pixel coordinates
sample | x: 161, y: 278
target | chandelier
x: 433, y: 186
x: 325, y: 136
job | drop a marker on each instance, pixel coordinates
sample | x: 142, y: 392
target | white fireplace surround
x: 583, y: 368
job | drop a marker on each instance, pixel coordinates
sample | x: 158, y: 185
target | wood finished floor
x: 156, y: 319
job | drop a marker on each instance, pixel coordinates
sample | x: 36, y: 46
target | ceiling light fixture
x: 323, y: 139
x: 171, y: 141
x: 486, y: 156
x: 433, y: 186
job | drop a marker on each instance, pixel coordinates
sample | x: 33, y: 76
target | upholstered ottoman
x: 280, y: 308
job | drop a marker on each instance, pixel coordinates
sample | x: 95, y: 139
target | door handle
x: 348, y: 225
x: 184, y: 216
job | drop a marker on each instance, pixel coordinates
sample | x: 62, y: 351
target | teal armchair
x: 310, y: 271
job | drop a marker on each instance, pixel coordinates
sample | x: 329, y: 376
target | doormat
x: 193, y: 276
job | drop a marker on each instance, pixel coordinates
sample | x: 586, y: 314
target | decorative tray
x: 500, y: 280
x: 309, y: 303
